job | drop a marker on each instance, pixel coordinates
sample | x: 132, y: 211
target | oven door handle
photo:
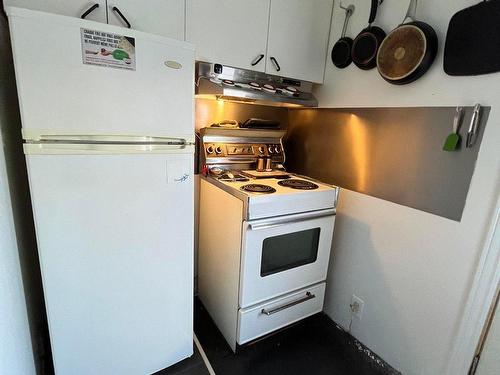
x: 307, y: 297
x: 265, y: 224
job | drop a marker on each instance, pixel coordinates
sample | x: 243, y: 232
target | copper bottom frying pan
x: 408, y: 51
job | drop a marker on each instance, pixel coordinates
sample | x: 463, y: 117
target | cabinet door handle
x: 275, y: 62
x: 257, y: 60
x: 124, y: 19
x: 90, y: 10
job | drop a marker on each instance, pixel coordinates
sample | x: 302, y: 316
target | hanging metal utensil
x: 341, y: 52
x: 473, y: 127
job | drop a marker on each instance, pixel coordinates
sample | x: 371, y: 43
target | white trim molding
x: 481, y: 296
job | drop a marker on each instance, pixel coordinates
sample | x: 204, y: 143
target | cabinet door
x: 162, y: 17
x: 298, y: 38
x: 229, y: 32
x: 72, y: 8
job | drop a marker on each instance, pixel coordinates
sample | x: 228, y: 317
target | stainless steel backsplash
x: 390, y: 153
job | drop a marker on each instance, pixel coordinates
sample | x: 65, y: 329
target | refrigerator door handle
x: 103, y: 144
x: 109, y: 140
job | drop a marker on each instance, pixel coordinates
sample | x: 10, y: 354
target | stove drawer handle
x: 307, y: 297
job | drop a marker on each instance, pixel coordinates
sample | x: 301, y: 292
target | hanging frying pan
x: 366, y: 44
x: 341, y: 52
x: 408, y: 51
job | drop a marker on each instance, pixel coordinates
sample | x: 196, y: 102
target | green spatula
x: 453, y: 139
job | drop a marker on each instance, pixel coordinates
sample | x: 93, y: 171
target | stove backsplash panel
x: 394, y: 154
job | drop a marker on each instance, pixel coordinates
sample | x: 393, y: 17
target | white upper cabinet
x: 298, y: 38
x: 281, y: 37
x: 288, y: 38
x: 93, y: 10
x: 162, y: 17
x: 229, y: 32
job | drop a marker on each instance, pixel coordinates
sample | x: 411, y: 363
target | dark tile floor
x: 193, y: 365
x: 314, y: 346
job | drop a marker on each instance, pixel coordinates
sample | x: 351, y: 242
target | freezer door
x: 59, y: 94
x: 115, y: 240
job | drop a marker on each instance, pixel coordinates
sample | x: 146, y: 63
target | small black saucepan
x: 341, y: 52
x: 365, y: 46
x: 408, y: 51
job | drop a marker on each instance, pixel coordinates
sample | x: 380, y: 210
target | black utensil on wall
x: 408, y: 51
x: 366, y: 44
x: 341, y: 52
x: 473, y: 40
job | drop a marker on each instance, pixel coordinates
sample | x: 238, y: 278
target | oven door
x: 284, y: 254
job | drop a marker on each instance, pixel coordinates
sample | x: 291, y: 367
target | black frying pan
x: 408, y: 51
x: 365, y: 46
x: 341, y: 52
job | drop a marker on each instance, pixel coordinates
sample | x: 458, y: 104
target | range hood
x: 216, y: 81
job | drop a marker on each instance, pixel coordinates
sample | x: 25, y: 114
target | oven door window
x: 291, y: 250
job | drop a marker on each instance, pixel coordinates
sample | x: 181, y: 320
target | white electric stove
x: 265, y: 235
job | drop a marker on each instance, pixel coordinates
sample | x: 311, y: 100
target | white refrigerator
x: 109, y: 142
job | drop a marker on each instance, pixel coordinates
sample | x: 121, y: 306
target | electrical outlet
x: 357, y: 306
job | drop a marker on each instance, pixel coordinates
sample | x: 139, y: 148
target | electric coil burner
x: 298, y: 184
x: 258, y: 188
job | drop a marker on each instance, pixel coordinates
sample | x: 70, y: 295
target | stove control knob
x: 261, y: 149
x: 277, y: 149
x: 218, y: 150
x: 270, y: 149
x: 210, y: 149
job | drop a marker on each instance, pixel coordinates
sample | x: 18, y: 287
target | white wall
x: 16, y: 355
x: 412, y: 269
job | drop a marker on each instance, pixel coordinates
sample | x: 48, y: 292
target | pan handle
x: 373, y: 10
x: 348, y: 13
x: 411, y: 13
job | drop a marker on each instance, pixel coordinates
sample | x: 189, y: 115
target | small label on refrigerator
x: 178, y: 171
x: 108, y: 49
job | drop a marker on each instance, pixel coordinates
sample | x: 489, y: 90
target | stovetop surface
x: 281, y: 200
x: 279, y: 188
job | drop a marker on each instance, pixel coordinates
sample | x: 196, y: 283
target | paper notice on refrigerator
x: 108, y: 49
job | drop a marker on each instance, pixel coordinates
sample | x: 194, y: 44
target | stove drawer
x: 259, y: 320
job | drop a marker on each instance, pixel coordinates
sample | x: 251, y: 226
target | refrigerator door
x: 60, y: 94
x: 115, y: 240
